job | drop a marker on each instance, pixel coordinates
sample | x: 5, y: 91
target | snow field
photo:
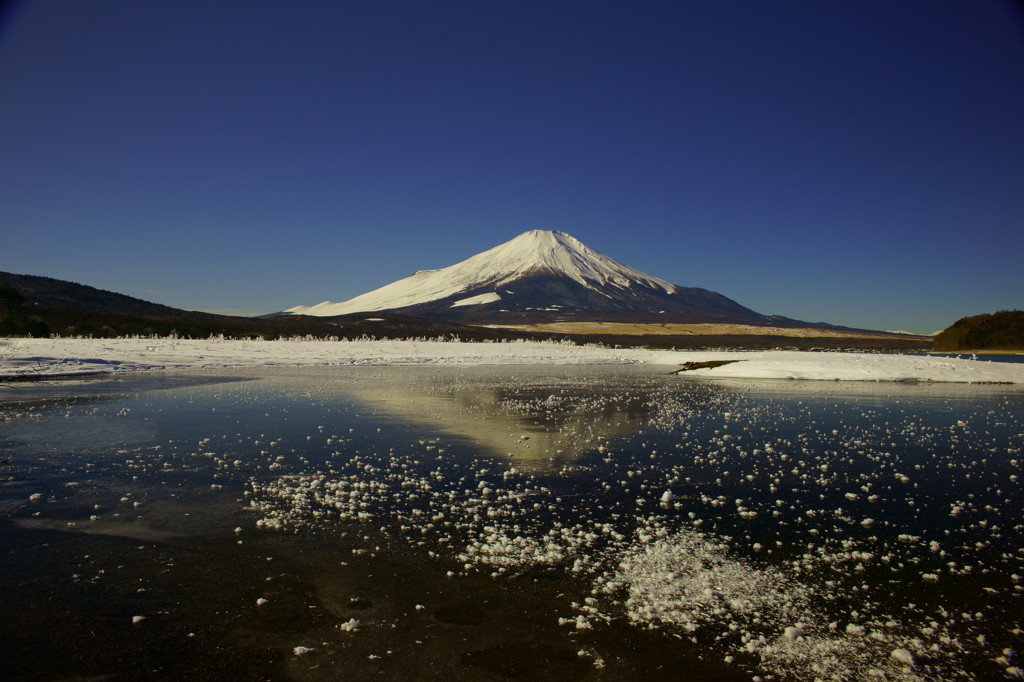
x: 71, y: 356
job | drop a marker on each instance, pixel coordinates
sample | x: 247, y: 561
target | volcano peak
x: 538, y: 273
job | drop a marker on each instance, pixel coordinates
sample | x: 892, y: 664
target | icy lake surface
x: 485, y: 523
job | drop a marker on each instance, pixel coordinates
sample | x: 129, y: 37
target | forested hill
x: 1003, y: 330
x: 47, y: 292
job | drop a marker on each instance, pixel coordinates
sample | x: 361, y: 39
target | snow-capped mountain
x: 546, y: 276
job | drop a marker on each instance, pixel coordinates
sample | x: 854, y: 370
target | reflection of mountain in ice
x: 534, y: 426
x: 838, y: 541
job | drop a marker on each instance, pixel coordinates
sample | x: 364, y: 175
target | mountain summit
x: 542, y: 276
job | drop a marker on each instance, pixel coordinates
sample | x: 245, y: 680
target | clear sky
x: 859, y: 162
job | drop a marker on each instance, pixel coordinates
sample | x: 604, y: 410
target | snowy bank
x: 59, y: 356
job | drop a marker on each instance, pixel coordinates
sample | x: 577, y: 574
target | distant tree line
x: 1003, y: 330
x: 19, y: 317
x: 15, y: 319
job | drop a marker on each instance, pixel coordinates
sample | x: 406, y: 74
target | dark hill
x: 39, y: 306
x: 547, y: 297
x: 47, y: 292
x: 1003, y: 330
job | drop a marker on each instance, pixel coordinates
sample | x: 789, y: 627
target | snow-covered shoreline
x: 77, y: 356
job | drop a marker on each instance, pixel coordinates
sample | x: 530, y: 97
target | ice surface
x: 818, y: 595
x: 733, y: 521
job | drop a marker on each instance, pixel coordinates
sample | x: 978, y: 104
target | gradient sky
x: 852, y: 161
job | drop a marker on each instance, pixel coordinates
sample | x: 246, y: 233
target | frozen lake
x: 485, y: 523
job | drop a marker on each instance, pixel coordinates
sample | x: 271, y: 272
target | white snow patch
x: 688, y: 581
x: 69, y: 356
x: 351, y: 625
x: 477, y: 300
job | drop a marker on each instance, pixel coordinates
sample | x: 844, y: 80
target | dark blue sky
x: 852, y: 161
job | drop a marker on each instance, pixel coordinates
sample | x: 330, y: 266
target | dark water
x: 984, y: 357
x: 503, y: 523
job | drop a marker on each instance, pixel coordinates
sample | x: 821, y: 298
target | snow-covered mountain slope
x: 541, y: 274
